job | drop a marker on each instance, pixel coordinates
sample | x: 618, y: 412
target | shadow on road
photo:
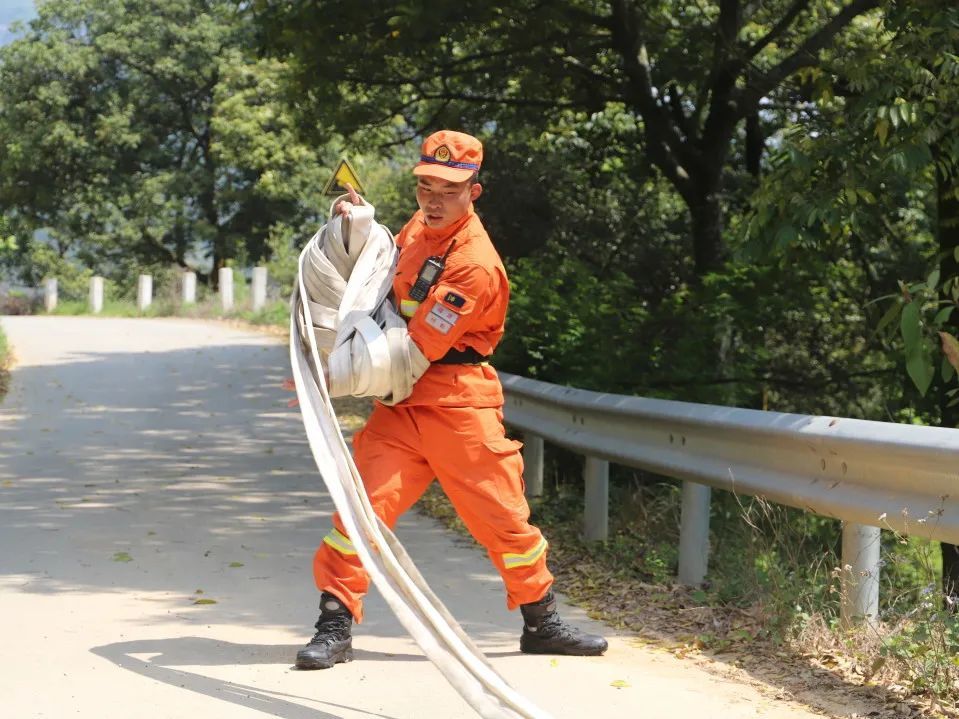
x: 174, y: 475
x: 164, y: 656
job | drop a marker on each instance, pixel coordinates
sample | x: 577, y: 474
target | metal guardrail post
x: 694, y: 533
x: 533, y: 465
x: 96, y: 295
x: 144, y: 292
x: 226, y: 288
x: 860, y: 573
x: 50, y: 294
x: 596, y: 515
x: 259, y: 288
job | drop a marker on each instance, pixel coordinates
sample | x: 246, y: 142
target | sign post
x: 344, y: 173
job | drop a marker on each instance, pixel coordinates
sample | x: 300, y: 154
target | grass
x: 5, y: 359
x: 274, y: 313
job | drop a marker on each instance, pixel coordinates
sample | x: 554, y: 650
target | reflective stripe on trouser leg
x: 526, y: 559
x: 482, y: 473
x: 395, y: 476
x: 340, y: 542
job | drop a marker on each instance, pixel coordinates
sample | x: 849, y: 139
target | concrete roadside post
x: 596, y: 515
x: 96, y: 295
x: 259, y: 288
x: 225, y: 276
x: 50, y: 294
x: 144, y: 292
x: 189, y: 287
x: 533, y: 465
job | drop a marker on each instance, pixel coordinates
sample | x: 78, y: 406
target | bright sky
x: 11, y: 10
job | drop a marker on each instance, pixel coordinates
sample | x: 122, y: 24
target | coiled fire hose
x: 343, y: 325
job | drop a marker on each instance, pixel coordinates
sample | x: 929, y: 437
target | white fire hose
x: 342, y: 324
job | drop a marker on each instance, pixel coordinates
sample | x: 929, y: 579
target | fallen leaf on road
x: 205, y: 601
x: 619, y: 683
x: 122, y: 557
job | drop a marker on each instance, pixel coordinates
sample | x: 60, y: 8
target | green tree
x: 877, y: 173
x: 143, y: 134
x: 694, y: 75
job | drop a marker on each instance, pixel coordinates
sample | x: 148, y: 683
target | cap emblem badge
x: 442, y: 153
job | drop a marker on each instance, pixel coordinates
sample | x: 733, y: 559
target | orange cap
x: 450, y: 155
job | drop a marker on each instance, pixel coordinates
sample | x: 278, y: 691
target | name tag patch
x: 442, y: 319
x: 454, y: 299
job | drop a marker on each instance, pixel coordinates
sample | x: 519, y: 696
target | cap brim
x: 451, y: 174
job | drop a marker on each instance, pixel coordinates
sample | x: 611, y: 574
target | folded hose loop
x: 376, y: 347
x: 346, y: 271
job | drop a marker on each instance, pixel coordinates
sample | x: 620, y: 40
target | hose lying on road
x: 342, y: 323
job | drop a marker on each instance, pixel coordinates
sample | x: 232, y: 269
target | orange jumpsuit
x: 451, y: 426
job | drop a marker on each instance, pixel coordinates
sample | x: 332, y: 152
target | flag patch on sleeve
x: 454, y: 299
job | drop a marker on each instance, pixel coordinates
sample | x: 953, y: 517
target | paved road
x: 158, y: 514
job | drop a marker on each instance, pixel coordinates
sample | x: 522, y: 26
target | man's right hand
x: 345, y: 207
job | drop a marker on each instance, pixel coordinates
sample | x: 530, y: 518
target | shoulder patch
x: 454, y: 299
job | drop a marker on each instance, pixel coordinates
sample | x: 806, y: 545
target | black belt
x: 467, y: 356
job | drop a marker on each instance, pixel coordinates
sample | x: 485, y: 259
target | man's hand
x: 345, y: 207
x: 290, y: 386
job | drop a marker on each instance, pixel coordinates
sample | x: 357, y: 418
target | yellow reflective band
x: 408, y: 307
x: 524, y: 560
x: 340, y: 542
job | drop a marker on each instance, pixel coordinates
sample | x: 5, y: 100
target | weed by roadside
x: 272, y: 314
x: 4, y: 365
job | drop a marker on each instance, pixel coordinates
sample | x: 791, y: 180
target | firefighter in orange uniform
x: 451, y: 426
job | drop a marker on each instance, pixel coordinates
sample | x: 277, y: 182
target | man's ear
x: 475, y: 191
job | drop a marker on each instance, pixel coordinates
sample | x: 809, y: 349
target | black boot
x: 332, y: 642
x: 544, y: 632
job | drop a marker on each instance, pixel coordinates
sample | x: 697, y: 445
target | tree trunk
x: 947, y: 232
x: 208, y: 203
x: 706, y: 213
x: 755, y: 144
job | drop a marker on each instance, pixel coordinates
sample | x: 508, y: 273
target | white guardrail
x: 871, y: 475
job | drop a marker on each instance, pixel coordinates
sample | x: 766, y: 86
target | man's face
x: 444, y: 202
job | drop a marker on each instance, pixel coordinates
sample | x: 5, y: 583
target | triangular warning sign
x: 344, y: 173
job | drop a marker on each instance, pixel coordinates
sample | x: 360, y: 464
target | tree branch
x: 777, y: 30
x: 508, y: 102
x: 804, y: 56
x: 664, y: 144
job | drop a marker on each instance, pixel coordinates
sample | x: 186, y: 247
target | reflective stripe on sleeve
x: 408, y: 307
x: 340, y: 542
x: 524, y: 560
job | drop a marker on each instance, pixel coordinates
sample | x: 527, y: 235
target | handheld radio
x: 430, y: 272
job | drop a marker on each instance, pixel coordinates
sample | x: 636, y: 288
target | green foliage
x: 777, y: 558
x: 927, y: 646
x: 925, y: 310
x: 136, y: 139
x: 73, y: 280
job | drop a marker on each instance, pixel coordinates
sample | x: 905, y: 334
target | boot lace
x: 332, y: 628
x: 553, y: 627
